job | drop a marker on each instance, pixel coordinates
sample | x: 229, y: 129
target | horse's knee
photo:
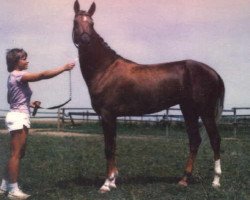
x: 215, y: 143
x: 193, y: 136
x: 109, y: 153
x: 194, y: 144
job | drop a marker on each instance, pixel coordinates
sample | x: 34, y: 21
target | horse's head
x: 83, y: 24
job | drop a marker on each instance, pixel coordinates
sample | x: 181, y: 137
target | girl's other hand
x: 35, y: 104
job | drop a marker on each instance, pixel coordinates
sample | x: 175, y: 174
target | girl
x: 17, y: 120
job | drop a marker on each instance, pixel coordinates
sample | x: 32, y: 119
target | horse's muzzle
x: 85, y: 39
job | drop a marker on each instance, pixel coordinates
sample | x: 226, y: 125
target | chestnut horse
x: 120, y: 87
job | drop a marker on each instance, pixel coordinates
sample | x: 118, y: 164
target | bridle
x: 76, y: 44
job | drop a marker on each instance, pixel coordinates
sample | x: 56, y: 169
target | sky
x: 215, y: 32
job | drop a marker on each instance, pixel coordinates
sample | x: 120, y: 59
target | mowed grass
x: 58, y: 168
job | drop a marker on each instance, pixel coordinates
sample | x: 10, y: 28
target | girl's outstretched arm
x: 32, y: 77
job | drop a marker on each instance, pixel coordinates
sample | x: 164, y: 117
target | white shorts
x: 16, y: 121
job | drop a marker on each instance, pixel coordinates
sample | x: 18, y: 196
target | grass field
x: 72, y: 168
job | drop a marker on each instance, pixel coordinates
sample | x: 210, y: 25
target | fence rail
x: 228, y: 115
x: 236, y: 117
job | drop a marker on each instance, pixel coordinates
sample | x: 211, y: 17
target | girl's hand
x: 35, y: 105
x: 69, y: 66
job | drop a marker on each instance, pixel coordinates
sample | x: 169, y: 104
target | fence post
x: 130, y: 121
x: 87, y: 113
x: 62, y: 118
x: 235, y: 121
x: 167, y: 124
x: 58, y: 119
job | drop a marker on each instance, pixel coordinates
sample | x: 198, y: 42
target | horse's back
x: 130, y: 88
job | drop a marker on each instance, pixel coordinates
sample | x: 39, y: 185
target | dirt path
x: 55, y: 133
x: 93, y: 135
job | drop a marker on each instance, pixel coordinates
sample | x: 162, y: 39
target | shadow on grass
x: 137, y: 180
x: 80, y: 181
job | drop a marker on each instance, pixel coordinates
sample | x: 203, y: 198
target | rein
x: 60, y: 105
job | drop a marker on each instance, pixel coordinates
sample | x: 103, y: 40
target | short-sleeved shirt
x: 19, y: 92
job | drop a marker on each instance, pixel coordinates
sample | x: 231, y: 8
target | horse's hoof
x: 216, y: 185
x: 112, y: 185
x: 183, y: 183
x: 104, y: 189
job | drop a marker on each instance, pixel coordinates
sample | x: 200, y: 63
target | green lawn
x: 149, y: 168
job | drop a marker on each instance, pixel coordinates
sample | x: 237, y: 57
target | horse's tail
x: 220, y: 101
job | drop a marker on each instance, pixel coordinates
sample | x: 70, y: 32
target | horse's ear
x: 76, y: 7
x: 92, y: 9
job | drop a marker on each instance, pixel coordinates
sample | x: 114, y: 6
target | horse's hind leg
x: 212, y: 130
x: 192, y: 127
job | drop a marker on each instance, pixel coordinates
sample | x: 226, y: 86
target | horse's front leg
x: 109, y: 130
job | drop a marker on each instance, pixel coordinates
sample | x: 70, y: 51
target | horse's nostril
x: 85, y: 38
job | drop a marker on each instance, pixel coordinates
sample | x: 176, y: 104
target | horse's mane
x: 108, y: 48
x: 105, y: 45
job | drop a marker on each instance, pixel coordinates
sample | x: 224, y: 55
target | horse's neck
x: 96, y: 58
x: 87, y: 70
x: 102, y: 54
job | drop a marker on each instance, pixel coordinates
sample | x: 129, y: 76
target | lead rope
x: 70, y: 85
x: 58, y: 106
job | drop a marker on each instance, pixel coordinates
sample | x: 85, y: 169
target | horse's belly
x: 144, y: 106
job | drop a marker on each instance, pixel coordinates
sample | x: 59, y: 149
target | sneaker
x: 17, y: 194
